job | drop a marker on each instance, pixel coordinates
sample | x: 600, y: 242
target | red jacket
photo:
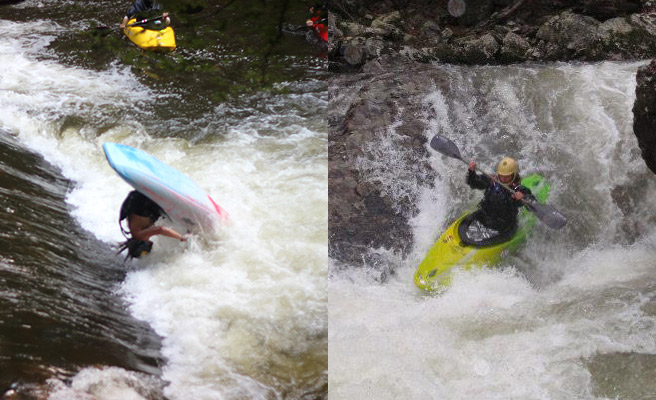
x: 319, y: 28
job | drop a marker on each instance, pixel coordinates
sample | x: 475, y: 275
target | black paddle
x: 136, y: 23
x: 545, y: 213
x: 143, y: 21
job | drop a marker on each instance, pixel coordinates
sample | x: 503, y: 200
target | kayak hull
x: 149, y: 39
x: 180, y: 197
x: 449, y: 253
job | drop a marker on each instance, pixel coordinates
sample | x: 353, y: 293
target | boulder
x: 480, y: 50
x: 572, y: 34
x: 644, y: 114
x: 386, y: 25
x: 514, y: 48
x: 364, y: 121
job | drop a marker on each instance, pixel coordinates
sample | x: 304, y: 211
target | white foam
x: 109, y: 383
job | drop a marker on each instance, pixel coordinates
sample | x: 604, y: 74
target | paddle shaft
x: 545, y: 213
x: 490, y: 176
x: 143, y: 21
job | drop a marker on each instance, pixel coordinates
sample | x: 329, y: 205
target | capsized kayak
x: 151, y: 39
x: 449, y: 252
x: 180, y: 197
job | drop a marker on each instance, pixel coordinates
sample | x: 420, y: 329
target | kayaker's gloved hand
x: 518, y: 195
x: 472, y: 165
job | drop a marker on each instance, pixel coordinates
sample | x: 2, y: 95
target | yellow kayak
x: 449, y: 252
x: 149, y: 39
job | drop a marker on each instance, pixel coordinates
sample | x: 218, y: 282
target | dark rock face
x: 499, y: 32
x: 644, y: 113
x: 361, y: 213
x: 606, y: 9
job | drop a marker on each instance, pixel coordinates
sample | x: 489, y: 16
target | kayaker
x: 141, y: 214
x: 319, y: 20
x: 499, y: 207
x: 143, y: 7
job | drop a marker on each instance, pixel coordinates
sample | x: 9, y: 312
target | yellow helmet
x: 508, y: 166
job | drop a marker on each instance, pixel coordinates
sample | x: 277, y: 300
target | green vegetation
x: 225, y: 48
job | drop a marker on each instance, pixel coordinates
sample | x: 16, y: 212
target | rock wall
x: 361, y: 214
x: 522, y: 31
x: 644, y: 113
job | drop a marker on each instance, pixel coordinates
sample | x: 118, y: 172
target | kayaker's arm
x: 522, y: 192
x: 476, y: 181
x: 317, y: 20
x: 164, y: 16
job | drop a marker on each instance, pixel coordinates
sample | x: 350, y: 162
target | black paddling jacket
x: 142, y: 6
x: 499, y: 207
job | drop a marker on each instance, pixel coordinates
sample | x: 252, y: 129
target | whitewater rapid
x: 564, y: 318
x: 243, y: 314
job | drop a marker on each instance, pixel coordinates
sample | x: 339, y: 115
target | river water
x: 239, y: 315
x: 572, y: 315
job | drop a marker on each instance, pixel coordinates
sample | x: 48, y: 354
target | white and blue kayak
x: 181, y: 198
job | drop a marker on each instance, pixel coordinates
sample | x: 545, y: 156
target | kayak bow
x: 162, y: 40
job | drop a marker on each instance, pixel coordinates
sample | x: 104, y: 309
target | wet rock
x: 514, y: 48
x: 571, y: 36
x: 335, y: 34
x: 362, y: 214
x: 605, y: 9
x: 386, y: 25
x: 353, y: 51
x: 644, y: 114
x: 352, y: 29
x: 541, y: 31
x: 431, y: 27
x: 373, y: 47
x: 479, y: 50
x: 613, y: 27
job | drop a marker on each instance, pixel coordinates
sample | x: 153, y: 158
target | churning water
x: 240, y: 315
x: 572, y: 315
